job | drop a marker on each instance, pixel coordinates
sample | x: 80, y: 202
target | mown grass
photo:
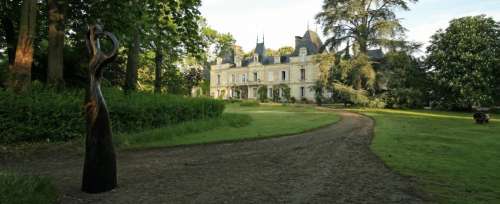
x: 16, y: 189
x: 237, y: 123
x: 176, y: 134
x: 453, y: 159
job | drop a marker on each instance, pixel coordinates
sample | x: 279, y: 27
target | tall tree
x: 192, y: 77
x: 408, y: 82
x: 20, y: 79
x: 175, y: 30
x: 158, y: 69
x: 10, y: 12
x: 286, y: 51
x: 364, y: 22
x: 56, y: 42
x: 464, y: 61
x: 133, y: 62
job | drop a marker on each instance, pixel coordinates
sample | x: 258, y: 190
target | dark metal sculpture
x: 99, y: 171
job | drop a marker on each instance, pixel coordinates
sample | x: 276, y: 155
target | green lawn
x: 453, y: 159
x: 238, y: 123
x: 16, y: 189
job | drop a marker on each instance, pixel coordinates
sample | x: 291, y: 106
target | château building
x: 240, y: 78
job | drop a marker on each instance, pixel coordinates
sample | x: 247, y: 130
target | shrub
x: 281, y: 93
x: 262, y: 93
x: 304, y: 100
x: 405, y: 98
x: 249, y: 103
x: 376, y: 103
x: 348, y: 95
x: 495, y: 110
x: 58, y: 116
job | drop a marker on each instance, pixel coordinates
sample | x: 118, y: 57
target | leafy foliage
x: 464, y: 61
x: 58, y: 116
x: 318, y: 89
x: 286, y: 51
x: 192, y: 78
x: 262, y: 93
x: 408, y: 84
x: 348, y: 95
x: 366, y: 23
x: 281, y: 93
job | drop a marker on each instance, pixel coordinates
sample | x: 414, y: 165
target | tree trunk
x: 56, y: 42
x: 20, y: 80
x: 159, y: 60
x: 10, y: 36
x: 363, y: 45
x: 132, y: 63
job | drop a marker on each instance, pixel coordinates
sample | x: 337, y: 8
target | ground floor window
x: 302, y: 91
x: 270, y: 92
x: 254, y: 92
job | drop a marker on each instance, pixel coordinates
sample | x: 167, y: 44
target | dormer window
x: 237, y: 61
x: 277, y: 59
x: 303, y: 52
x: 255, y: 58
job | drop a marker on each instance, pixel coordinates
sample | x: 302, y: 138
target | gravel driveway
x: 329, y: 165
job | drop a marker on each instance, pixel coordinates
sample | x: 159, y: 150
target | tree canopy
x: 464, y: 61
x: 362, y: 23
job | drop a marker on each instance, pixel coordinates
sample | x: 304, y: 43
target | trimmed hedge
x: 58, y: 116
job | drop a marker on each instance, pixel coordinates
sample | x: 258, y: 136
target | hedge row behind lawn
x: 59, y: 116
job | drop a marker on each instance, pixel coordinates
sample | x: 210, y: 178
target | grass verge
x: 16, y: 189
x: 237, y: 123
x: 453, y: 159
x: 176, y: 134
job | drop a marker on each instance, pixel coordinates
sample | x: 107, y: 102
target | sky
x: 281, y: 20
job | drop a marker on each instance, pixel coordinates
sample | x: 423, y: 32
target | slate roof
x: 375, y: 54
x: 310, y: 40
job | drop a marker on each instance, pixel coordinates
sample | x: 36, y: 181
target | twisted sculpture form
x: 99, y: 171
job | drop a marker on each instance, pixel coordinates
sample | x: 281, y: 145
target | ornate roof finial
x: 308, y: 25
x: 263, y: 38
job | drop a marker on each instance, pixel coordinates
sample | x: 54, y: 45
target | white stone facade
x: 240, y: 78
x: 300, y: 74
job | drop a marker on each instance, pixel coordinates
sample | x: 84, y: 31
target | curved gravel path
x: 330, y: 165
